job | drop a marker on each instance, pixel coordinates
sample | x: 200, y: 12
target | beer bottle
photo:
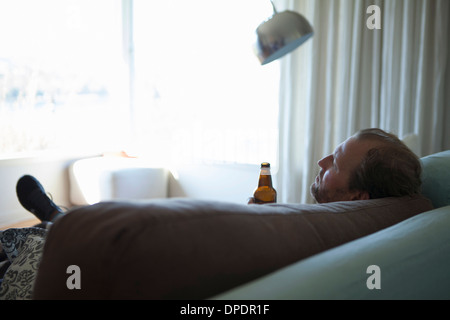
x: 265, y: 193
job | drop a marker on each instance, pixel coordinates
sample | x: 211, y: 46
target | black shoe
x: 32, y: 197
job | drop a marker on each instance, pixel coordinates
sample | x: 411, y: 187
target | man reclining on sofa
x: 371, y: 164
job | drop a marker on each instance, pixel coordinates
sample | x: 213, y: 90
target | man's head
x: 370, y: 164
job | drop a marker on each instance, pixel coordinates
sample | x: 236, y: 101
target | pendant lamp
x: 280, y: 34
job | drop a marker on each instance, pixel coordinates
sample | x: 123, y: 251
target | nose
x: 325, y: 162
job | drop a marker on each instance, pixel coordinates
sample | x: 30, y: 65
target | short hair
x: 390, y: 169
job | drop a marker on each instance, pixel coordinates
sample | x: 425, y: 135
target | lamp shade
x: 281, y: 34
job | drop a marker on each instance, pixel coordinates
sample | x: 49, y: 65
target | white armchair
x: 111, y: 178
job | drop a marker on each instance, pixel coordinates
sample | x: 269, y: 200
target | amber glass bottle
x: 265, y: 193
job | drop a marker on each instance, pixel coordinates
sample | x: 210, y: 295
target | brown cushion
x: 190, y: 249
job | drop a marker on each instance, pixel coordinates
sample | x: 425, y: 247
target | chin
x: 313, y: 190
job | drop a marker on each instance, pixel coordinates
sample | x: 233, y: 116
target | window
x: 63, y: 80
x: 201, y: 94
x: 188, y: 88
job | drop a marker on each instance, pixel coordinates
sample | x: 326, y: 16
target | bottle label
x: 265, y: 172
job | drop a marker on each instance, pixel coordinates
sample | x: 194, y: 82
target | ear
x: 360, y: 195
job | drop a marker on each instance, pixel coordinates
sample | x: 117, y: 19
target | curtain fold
x: 350, y: 77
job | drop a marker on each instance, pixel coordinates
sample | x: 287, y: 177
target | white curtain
x: 349, y: 77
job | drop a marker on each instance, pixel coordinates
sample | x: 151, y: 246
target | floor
x: 22, y: 224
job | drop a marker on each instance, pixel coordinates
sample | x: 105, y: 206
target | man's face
x: 331, y: 183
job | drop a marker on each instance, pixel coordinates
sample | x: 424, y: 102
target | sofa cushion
x: 436, y: 178
x: 413, y: 257
x: 191, y: 249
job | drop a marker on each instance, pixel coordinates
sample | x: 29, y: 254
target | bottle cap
x: 265, y: 165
